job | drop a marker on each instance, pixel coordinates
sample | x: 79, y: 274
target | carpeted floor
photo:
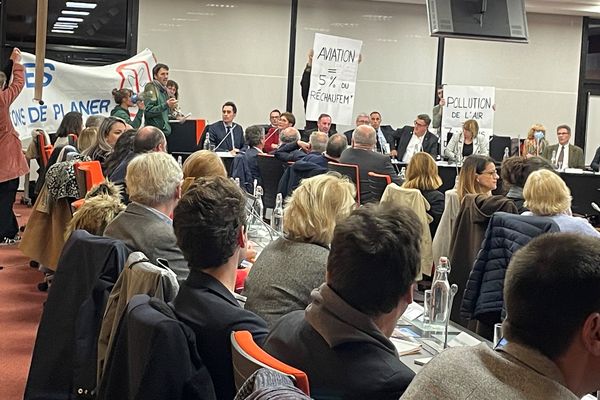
x: 19, y: 314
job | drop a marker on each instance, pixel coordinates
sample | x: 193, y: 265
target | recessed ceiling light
x: 76, y: 4
x: 69, y: 19
x: 61, y: 31
x: 71, y: 12
x: 68, y: 26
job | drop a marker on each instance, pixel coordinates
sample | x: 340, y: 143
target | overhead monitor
x: 500, y: 20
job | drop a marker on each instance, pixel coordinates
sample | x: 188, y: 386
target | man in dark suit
x: 323, y: 125
x: 413, y: 139
x: 255, y: 140
x: 209, y: 224
x: 342, y: 340
x: 309, y: 152
x: 226, y: 135
x: 154, y: 186
x: 361, y: 119
x: 362, y: 154
x: 566, y: 155
x: 384, y: 133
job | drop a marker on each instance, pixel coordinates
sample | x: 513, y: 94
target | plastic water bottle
x: 506, y: 154
x: 180, y: 161
x: 207, y: 142
x: 277, y: 215
x: 440, y: 294
x: 553, y: 158
x: 403, y: 173
x: 259, y: 208
x: 237, y: 181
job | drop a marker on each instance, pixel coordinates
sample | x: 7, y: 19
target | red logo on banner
x: 134, y: 75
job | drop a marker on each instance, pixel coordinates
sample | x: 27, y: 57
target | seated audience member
x: 315, y: 147
x: 469, y: 142
x: 475, y: 177
x: 105, y: 139
x: 336, y: 145
x: 122, y: 150
x: 552, y: 331
x: 202, y: 163
x: 146, y: 140
x: 422, y: 174
x: 566, y: 155
x: 362, y: 154
x: 154, y: 185
x: 361, y: 119
x: 535, y: 142
x: 515, y: 171
x: 255, y: 141
x: 285, y: 121
x: 413, y: 139
x: 86, y: 138
x: 209, y: 223
x: 289, y: 136
x: 71, y: 124
x: 384, y: 133
x: 546, y: 194
x: 288, y: 269
x: 342, y: 340
x: 94, y: 121
x: 123, y: 98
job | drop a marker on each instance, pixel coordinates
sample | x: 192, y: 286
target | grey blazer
x: 481, y: 145
x: 142, y: 230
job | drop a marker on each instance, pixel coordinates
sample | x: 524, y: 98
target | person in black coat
x: 362, y: 154
x: 412, y: 139
x: 209, y: 224
x: 422, y: 174
x: 341, y: 341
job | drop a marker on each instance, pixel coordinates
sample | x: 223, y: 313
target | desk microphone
x: 595, y: 207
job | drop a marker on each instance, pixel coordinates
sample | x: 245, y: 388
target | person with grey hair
x: 336, y: 145
x: 361, y: 119
x: 154, y: 185
x: 289, y: 148
x: 255, y: 142
x: 289, y: 135
x: 311, y: 152
x: 94, y: 121
x: 361, y: 154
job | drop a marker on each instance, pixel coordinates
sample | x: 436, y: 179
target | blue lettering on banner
x: 91, y: 107
x: 18, y: 117
x: 30, y: 76
x: 37, y: 114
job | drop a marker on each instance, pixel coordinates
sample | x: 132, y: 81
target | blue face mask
x: 539, y: 135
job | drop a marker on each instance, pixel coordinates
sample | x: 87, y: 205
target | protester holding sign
x: 124, y: 100
x: 12, y: 160
x: 471, y: 141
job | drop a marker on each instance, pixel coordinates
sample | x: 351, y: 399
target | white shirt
x: 415, y: 145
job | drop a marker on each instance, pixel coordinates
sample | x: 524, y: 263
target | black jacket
x: 66, y: 348
x: 506, y: 234
x: 209, y: 308
x: 436, y: 200
x: 154, y: 357
x: 292, y: 176
x: 430, y: 142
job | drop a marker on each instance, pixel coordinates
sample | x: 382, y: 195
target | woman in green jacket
x: 121, y: 110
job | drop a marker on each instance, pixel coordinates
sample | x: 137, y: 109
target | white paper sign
x: 333, y: 78
x: 468, y: 102
x: 75, y: 88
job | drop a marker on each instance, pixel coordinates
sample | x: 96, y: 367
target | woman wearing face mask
x: 535, y: 142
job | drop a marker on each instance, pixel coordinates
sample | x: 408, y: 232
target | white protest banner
x: 468, y: 102
x: 75, y: 88
x: 333, y: 78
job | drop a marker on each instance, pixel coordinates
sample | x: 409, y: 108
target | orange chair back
x: 41, y: 148
x: 93, y: 173
x: 388, y: 179
x: 247, y: 358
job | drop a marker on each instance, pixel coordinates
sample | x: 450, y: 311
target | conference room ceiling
x: 589, y: 8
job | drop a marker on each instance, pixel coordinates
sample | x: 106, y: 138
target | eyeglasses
x: 420, y: 123
x: 562, y: 133
x: 491, y: 173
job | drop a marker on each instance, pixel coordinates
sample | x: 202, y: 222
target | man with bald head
x: 361, y: 153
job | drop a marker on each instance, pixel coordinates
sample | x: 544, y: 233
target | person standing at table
x: 469, y: 142
x: 226, y: 135
x: 157, y: 100
x: 12, y: 160
x: 342, y: 339
x: 413, y: 139
x: 552, y: 332
x: 567, y: 155
x: 123, y: 98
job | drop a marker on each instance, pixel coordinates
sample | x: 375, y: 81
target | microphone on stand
x: 229, y: 134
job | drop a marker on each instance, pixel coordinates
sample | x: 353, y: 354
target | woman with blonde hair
x: 422, y: 174
x: 202, y: 163
x: 547, y: 195
x: 289, y: 268
x: 469, y: 142
x: 535, y: 143
x: 108, y: 133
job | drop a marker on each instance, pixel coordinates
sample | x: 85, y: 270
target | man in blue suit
x: 226, y: 135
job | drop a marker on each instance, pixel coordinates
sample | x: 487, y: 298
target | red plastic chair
x: 91, y: 172
x: 247, y: 358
